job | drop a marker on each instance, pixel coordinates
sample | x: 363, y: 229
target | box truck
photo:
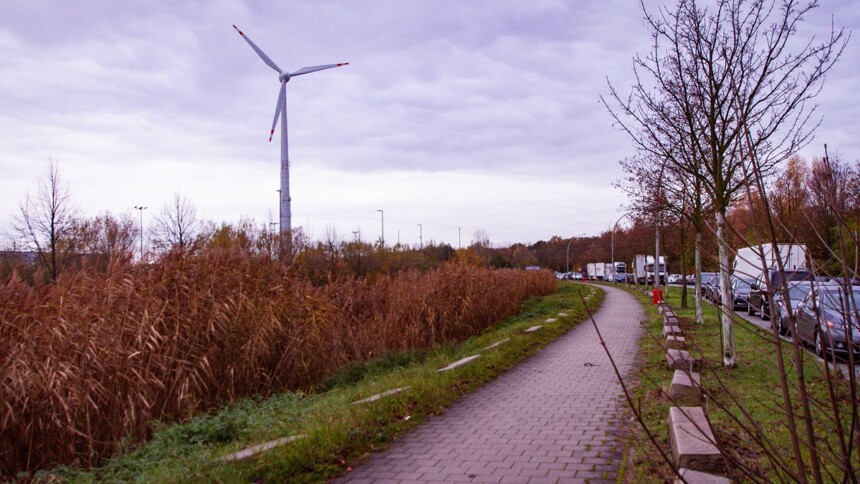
x: 748, y: 261
x: 599, y: 271
x: 643, y: 269
x: 591, y: 271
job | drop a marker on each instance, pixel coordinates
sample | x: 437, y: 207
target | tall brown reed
x: 97, y: 357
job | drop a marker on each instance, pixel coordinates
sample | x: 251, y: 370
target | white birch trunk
x: 700, y: 317
x: 726, y: 311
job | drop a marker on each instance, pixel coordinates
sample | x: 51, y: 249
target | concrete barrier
x: 671, y: 330
x: 674, y: 342
x: 697, y: 477
x: 679, y: 360
x: 685, y: 389
x: 693, y: 443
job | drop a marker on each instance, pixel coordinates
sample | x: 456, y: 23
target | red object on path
x: 657, y: 295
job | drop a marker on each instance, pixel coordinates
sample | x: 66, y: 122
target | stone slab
x: 562, y: 315
x: 459, y: 362
x: 257, y: 449
x: 671, y: 330
x: 533, y: 329
x: 551, y: 320
x: 692, y: 440
x: 670, y: 319
x: 698, y: 477
x: 497, y: 343
x: 674, y: 342
x: 686, y: 388
x: 384, y: 394
x: 679, y: 360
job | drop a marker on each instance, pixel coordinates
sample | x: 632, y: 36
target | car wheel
x: 781, y: 327
x: 765, y: 313
x: 750, y: 311
x: 818, y: 342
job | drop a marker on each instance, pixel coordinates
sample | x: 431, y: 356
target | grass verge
x: 337, y: 434
x: 752, y: 386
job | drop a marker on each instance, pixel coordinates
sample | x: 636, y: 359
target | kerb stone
x: 692, y: 440
x: 686, y: 388
x: 674, y: 342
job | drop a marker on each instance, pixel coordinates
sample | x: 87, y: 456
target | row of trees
x: 722, y: 101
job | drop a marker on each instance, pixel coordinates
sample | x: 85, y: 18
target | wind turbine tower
x: 281, y: 111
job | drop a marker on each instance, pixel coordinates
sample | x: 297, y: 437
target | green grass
x: 754, y: 384
x: 338, y: 435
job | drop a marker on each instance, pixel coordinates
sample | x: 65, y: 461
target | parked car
x: 711, y: 287
x: 759, y: 295
x: 741, y: 287
x: 827, y: 319
x: 797, y: 290
x: 674, y: 279
x: 691, y: 279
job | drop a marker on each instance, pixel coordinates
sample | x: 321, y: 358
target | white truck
x: 599, y: 271
x: 620, y: 272
x: 639, y: 263
x: 643, y: 269
x: 661, y: 270
x: 748, y: 261
x: 591, y: 271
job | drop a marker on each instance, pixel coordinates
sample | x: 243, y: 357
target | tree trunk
x: 700, y: 317
x: 726, y: 311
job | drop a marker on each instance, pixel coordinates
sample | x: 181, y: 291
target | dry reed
x: 97, y: 357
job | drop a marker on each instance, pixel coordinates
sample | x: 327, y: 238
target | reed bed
x: 89, y: 363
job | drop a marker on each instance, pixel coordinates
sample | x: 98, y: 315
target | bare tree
x: 722, y: 81
x: 47, y: 222
x: 177, y: 225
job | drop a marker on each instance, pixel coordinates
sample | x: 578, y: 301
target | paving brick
x: 551, y: 418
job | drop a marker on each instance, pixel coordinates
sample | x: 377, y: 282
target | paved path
x: 549, y: 419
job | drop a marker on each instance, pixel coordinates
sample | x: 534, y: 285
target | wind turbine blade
x: 308, y: 70
x: 278, y: 109
x: 259, y: 52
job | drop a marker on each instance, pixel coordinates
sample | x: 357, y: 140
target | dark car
x: 741, y: 287
x: 827, y: 318
x: 760, y: 293
x: 797, y: 291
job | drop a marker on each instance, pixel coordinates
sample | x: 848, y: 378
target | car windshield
x: 797, y: 292
x: 833, y: 298
x: 743, y: 284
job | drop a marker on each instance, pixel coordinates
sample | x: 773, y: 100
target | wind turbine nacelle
x: 284, y: 77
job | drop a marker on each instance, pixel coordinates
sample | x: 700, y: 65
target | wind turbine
x: 281, y: 111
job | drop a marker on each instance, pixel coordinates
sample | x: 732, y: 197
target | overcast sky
x: 471, y: 114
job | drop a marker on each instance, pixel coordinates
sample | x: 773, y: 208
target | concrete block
x: 671, y: 330
x: 670, y: 319
x: 532, y: 329
x: 692, y: 440
x: 378, y: 396
x: 686, y: 388
x: 257, y: 449
x: 674, y: 342
x: 697, y: 477
x: 459, y: 362
x: 497, y: 343
x: 679, y: 360
x: 551, y: 320
x: 562, y: 315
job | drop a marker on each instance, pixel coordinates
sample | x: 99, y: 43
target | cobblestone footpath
x: 552, y: 418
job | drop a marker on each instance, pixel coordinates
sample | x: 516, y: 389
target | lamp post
x: 568, y: 249
x: 382, y: 237
x: 141, y: 209
x: 356, y: 234
x: 421, y: 235
x: 460, y: 241
x: 612, y: 243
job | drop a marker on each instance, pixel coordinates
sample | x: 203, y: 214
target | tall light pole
x: 356, y: 234
x: 421, y: 235
x: 568, y: 249
x: 382, y: 237
x: 460, y: 240
x: 612, y: 244
x: 141, y: 209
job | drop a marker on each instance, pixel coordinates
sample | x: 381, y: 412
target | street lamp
x: 568, y: 249
x: 141, y: 209
x: 460, y: 242
x: 382, y: 214
x: 612, y: 249
x: 421, y: 235
x: 356, y: 234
